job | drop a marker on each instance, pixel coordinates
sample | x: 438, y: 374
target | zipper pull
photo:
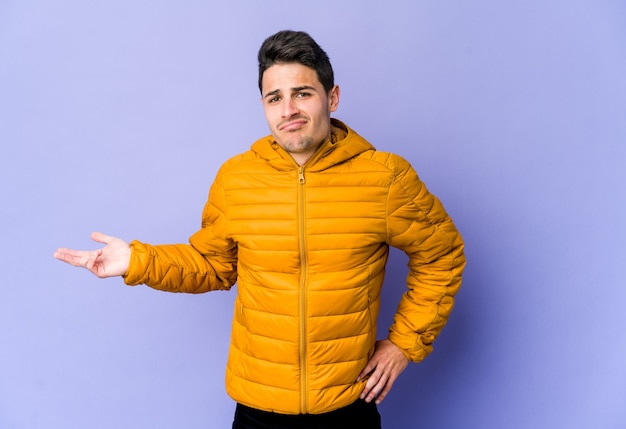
x: 301, y: 175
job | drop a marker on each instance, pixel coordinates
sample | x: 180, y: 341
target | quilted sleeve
x: 208, y: 262
x: 419, y: 226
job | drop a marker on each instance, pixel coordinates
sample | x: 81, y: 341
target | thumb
x: 101, y: 238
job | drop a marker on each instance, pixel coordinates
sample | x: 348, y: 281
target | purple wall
x: 116, y: 116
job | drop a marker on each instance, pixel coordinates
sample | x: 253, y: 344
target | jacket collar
x: 344, y: 144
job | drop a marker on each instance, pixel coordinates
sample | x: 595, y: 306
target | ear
x: 333, y: 98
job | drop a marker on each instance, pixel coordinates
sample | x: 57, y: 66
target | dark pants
x: 359, y: 415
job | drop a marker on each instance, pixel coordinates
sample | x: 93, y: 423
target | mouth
x: 292, y: 125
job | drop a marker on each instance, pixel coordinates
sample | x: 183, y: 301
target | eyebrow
x: 295, y: 89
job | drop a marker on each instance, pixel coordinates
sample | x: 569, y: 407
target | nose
x: 289, y: 108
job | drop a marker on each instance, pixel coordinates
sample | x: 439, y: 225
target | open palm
x: 109, y: 261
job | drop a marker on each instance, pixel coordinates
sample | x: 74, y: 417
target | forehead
x: 286, y: 76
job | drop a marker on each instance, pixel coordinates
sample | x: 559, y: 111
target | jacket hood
x: 344, y: 144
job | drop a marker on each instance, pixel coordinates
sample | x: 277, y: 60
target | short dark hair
x: 289, y: 46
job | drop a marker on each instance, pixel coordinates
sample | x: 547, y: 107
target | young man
x: 303, y: 222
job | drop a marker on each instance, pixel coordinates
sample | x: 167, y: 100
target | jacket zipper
x: 303, y: 297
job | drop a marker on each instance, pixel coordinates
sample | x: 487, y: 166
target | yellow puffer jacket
x: 307, y: 247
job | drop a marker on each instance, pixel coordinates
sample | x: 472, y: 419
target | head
x: 298, y: 92
x: 295, y: 47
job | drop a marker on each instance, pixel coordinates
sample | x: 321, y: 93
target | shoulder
x: 395, y: 164
x: 241, y: 163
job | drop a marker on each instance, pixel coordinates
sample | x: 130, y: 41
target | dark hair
x: 289, y: 46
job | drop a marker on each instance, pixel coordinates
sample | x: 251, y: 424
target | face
x: 297, y: 108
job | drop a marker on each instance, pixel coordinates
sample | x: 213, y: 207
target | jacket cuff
x: 139, y: 261
x: 413, y: 348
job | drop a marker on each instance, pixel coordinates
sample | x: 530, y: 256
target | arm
x: 181, y: 268
x: 173, y: 268
x: 209, y: 262
x: 418, y: 225
x: 424, y: 231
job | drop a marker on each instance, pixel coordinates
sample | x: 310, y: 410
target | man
x: 303, y: 222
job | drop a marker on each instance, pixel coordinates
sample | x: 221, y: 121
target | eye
x: 273, y: 99
x: 302, y: 95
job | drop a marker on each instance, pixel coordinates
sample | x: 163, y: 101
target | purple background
x: 115, y: 116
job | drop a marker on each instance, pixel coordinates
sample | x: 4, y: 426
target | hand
x: 384, y: 367
x: 112, y: 260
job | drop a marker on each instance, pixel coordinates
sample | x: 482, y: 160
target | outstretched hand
x: 109, y: 261
x: 384, y: 367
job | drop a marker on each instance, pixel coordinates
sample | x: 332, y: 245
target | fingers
x: 384, y: 367
x: 72, y: 257
x: 82, y: 258
x: 368, y: 368
x: 92, y: 257
x: 377, y: 387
